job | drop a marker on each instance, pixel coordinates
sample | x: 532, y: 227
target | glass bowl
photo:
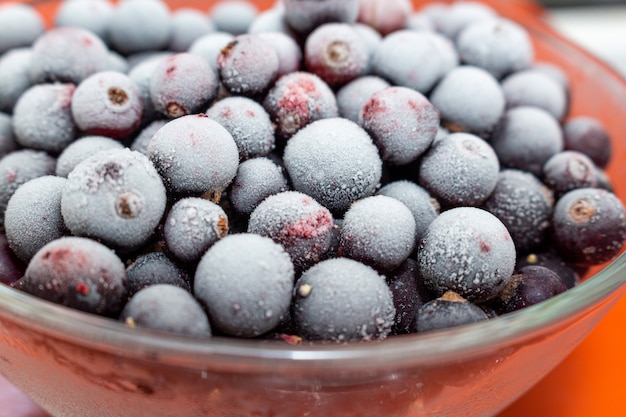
x: 76, y: 364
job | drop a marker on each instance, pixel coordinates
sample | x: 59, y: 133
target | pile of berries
x: 317, y: 170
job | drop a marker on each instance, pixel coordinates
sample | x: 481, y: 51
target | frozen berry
x: 287, y: 49
x: 93, y: 15
x: 449, y: 310
x: 20, y: 25
x: 567, y: 273
x: 500, y: 46
x: 194, y: 154
x: 336, y: 53
x: 15, y: 76
x: 167, y: 308
x: 567, y: 170
x: 7, y: 137
x: 116, y: 196
x: 385, y: 16
x: 192, y: 226
x: 589, y: 136
x: 233, y: 16
x: 352, y: 96
x: 247, y: 122
x: 143, y: 138
x: 524, y: 205
x: 460, y: 170
x: 182, y: 84
x: 402, y: 123
x: 188, y: 25
x: 140, y: 25
x: 82, y: 149
x: 79, y: 273
x: 18, y: 167
x: 423, y: 206
x: 154, y: 268
x: 409, y: 294
x: 303, y: 16
x: 341, y: 300
x: 210, y: 45
x: 109, y: 104
x: 409, y: 59
x: 248, y: 65
x: 257, y: 179
x: 11, y: 268
x: 531, y: 87
x: 529, y: 286
x: 453, y: 19
x: 33, y: 215
x: 378, y: 231
x: 588, y: 226
x: 469, y: 251
x: 334, y: 161
x: 67, y: 54
x: 469, y: 99
x: 42, y: 118
x: 298, y: 99
x: 297, y: 222
x: 526, y: 138
x: 245, y: 282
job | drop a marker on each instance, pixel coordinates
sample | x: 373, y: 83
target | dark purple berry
x: 154, y: 268
x: 7, y: 137
x: 409, y: 294
x: 449, y: 310
x: 210, y: 45
x: 524, y: 205
x: 588, y: 226
x: 287, y: 49
x: 79, y: 273
x: 529, y: 286
x: 588, y: 135
x: 303, y: 16
x: 567, y: 273
x: 143, y: 138
x: 386, y: 16
x: 11, y: 268
x: 567, y: 170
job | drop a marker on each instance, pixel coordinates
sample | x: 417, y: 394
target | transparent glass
x: 75, y: 364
